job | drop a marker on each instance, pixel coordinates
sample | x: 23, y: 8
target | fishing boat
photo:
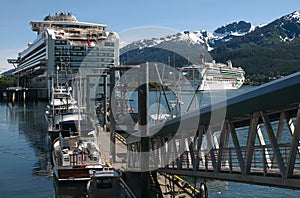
x: 75, y: 154
x: 61, y: 107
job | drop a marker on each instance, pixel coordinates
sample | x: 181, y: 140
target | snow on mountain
x: 202, y: 37
x: 122, y: 44
x: 236, y: 29
x: 287, y: 26
x: 290, y: 26
x: 294, y: 16
x: 183, y: 36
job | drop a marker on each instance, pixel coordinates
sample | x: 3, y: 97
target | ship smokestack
x: 229, y: 63
x: 201, y: 59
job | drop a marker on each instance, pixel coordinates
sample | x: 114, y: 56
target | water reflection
x: 74, y: 189
x: 27, y: 168
x: 31, y: 124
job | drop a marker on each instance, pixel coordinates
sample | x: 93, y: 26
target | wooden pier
x: 19, y: 94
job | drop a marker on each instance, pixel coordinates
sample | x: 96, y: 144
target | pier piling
x: 143, y: 123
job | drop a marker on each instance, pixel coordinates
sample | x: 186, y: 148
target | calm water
x: 26, y: 169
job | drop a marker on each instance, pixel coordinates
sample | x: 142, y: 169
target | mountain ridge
x: 265, y: 52
x: 225, y: 33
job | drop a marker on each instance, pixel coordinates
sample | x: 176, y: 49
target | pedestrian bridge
x: 250, y: 138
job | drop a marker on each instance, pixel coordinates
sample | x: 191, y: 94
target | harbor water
x: 26, y: 169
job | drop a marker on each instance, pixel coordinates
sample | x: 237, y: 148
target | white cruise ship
x: 212, y: 76
x: 65, y: 44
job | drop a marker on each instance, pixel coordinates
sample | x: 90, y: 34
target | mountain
x: 201, y: 37
x: 268, y: 52
x: 169, y: 49
x: 8, y: 72
x: 183, y: 47
x: 285, y: 29
x: 265, y: 52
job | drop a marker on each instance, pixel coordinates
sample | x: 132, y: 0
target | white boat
x: 74, y: 156
x: 104, y: 183
x: 62, y: 107
x: 61, y: 97
x: 162, y: 117
x: 212, y: 76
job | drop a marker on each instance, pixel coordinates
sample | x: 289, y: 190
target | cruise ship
x: 212, y: 76
x: 63, y: 45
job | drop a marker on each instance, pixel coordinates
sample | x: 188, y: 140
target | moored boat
x: 73, y: 156
x: 62, y: 112
x: 104, y: 183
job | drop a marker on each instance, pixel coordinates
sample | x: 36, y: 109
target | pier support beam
x: 112, y: 118
x: 104, y: 76
x: 143, y: 124
x: 294, y: 147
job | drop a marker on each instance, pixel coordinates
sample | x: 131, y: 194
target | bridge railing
x: 236, y: 156
x: 263, y: 161
x: 258, y: 137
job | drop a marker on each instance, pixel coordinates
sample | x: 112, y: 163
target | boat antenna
x: 162, y: 87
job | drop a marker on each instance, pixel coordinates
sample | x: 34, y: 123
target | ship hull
x: 211, y: 86
x: 220, y: 85
x: 212, y: 77
x: 71, y: 173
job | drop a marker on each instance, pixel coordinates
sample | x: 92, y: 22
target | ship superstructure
x: 63, y: 45
x: 213, y: 76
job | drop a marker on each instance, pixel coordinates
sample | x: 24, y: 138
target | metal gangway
x: 252, y: 138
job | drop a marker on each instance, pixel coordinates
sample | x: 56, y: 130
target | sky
x: 127, y: 17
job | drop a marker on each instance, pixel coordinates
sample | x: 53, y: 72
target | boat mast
x: 79, y: 102
x: 57, y: 68
x: 163, y: 89
x: 52, y: 100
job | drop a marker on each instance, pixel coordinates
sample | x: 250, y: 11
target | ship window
x: 66, y: 159
x: 93, y: 159
x: 77, y: 53
x: 104, y: 183
x: 109, y: 44
x: 66, y: 53
x: 77, y: 48
x: 58, y: 47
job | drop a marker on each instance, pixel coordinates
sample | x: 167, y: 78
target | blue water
x: 26, y: 169
x: 23, y: 152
